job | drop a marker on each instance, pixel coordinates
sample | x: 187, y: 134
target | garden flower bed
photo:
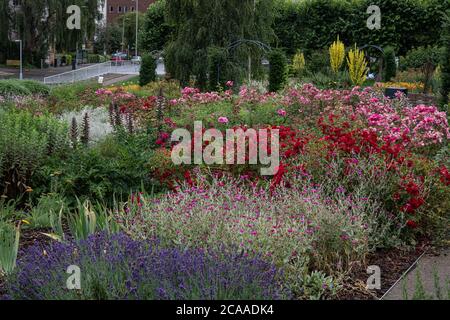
x: 308, y: 232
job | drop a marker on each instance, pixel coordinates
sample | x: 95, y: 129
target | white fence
x: 119, y: 67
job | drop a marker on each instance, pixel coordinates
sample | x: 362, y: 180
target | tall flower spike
x: 160, y: 106
x: 117, y: 118
x: 85, y: 131
x: 337, y: 55
x: 74, y: 132
x: 130, y: 123
x: 111, y: 114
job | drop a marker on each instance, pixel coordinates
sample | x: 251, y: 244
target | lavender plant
x: 117, y: 267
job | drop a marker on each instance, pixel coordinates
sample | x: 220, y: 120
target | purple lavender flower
x: 118, y: 267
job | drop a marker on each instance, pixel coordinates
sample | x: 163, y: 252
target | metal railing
x: 117, y: 67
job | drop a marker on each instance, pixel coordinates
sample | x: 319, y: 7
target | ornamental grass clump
x: 119, y: 268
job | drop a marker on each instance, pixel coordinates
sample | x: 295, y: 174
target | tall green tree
x: 445, y: 63
x: 200, y: 24
x: 155, y: 32
x: 42, y: 24
x: 127, y: 24
x: 5, y: 14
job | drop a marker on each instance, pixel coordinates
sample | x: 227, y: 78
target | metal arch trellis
x: 381, y: 65
x: 261, y: 45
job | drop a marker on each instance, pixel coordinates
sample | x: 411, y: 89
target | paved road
x: 38, y: 74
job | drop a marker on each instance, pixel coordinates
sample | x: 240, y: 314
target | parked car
x: 119, y: 56
x: 136, y: 59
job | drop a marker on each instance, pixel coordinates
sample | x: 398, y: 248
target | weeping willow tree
x: 42, y: 23
x: 203, y: 24
x: 4, y: 30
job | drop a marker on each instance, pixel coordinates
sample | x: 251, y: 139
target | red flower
x: 445, y: 176
x: 411, y: 224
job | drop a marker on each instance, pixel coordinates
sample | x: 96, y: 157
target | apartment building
x: 115, y: 8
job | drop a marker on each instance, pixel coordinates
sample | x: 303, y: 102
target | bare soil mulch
x: 393, y: 264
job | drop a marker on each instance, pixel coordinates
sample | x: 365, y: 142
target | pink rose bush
x: 393, y: 120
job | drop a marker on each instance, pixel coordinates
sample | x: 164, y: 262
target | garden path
x: 426, y: 267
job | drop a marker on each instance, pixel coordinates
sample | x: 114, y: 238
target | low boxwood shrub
x: 117, y: 268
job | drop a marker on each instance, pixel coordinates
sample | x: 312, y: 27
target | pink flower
x: 281, y: 112
x: 223, y: 120
x: 229, y: 84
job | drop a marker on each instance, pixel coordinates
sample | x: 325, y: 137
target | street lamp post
x: 21, y: 63
x: 137, y: 26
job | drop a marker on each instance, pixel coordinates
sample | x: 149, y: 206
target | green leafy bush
x: 278, y: 70
x: 318, y: 61
x: 217, y: 58
x: 114, y: 167
x: 148, y: 70
x: 13, y: 88
x: 390, y: 68
x: 26, y: 142
x: 36, y: 87
x: 424, y: 58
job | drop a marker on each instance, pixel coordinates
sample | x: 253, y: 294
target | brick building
x: 115, y: 8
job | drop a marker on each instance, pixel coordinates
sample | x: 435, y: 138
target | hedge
x: 314, y: 24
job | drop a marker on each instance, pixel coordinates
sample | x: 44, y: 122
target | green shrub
x: 13, y: 88
x: 390, y: 68
x: 318, y: 61
x: 69, y: 59
x: 217, y: 58
x: 424, y: 58
x: 23, y: 88
x: 148, y: 70
x: 278, y: 70
x: 112, y: 168
x: 25, y: 144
